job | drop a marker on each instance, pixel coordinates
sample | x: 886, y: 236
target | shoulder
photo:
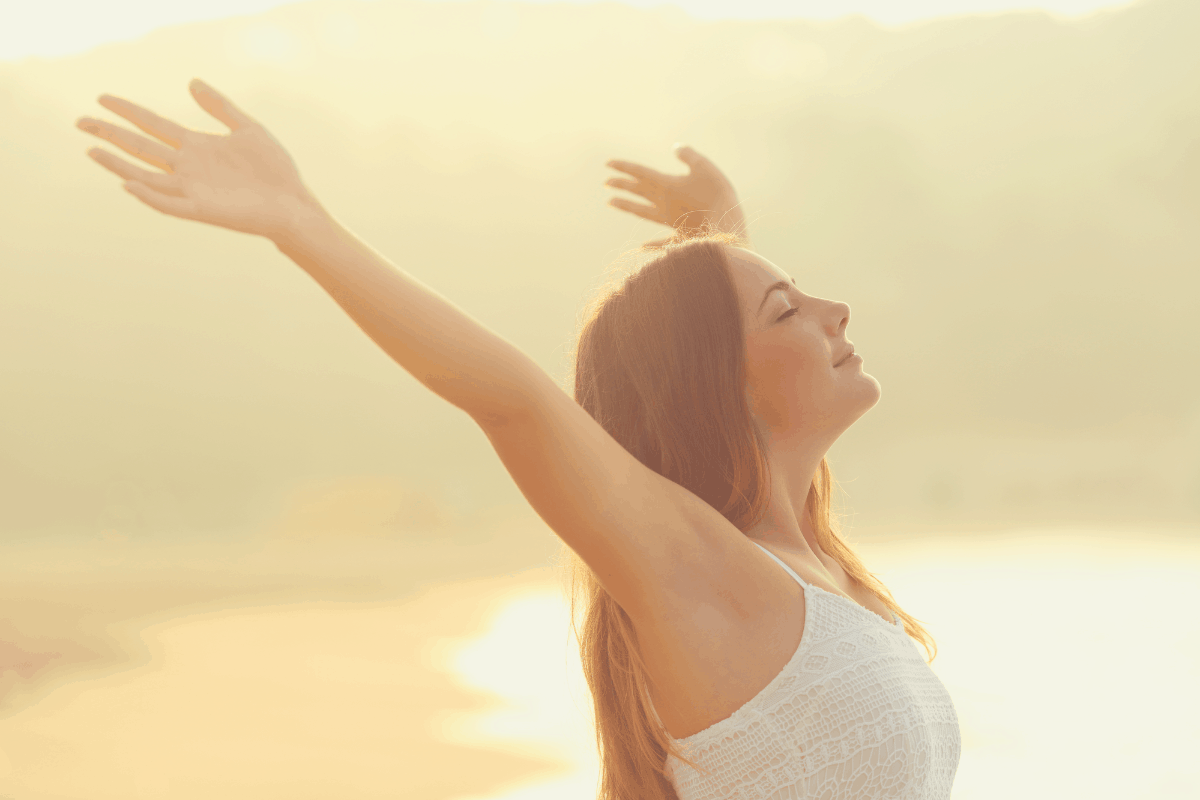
x: 723, y: 597
x: 715, y: 638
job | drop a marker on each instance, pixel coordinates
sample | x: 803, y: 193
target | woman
x: 734, y: 644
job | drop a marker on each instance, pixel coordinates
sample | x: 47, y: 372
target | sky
x: 51, y: 28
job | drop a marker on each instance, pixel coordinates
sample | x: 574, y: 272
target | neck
x: 794, y: 463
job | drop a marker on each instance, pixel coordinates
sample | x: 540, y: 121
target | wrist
x: 304, y: 218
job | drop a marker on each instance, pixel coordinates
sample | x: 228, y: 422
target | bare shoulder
x: 723, y: 624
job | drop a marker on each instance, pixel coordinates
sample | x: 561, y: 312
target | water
x: 1073, y: 660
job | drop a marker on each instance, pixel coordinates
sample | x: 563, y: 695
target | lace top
x: 855, y: 714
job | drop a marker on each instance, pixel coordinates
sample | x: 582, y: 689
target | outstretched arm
x: 246, y: 181
x: 444, y: 348
x: 702, y: 198
x: 656, y: 547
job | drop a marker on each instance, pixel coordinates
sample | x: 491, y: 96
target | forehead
x: 752, y: 274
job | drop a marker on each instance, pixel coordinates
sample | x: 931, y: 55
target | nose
x: 839, y: 318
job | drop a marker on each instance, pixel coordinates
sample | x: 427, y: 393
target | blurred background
x: 243, y: 552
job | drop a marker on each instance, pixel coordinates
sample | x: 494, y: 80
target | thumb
x: 689, y: 156
x: 218, y: 105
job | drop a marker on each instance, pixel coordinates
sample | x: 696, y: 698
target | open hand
x: 243, y: 180
x: 702, y: 198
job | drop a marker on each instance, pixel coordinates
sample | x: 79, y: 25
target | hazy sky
x: 62, y: 27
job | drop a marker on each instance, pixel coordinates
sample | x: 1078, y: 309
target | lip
x: 846, y: 357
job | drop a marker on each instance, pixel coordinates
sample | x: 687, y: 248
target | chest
x: 855, y: 712
x: 706, y: 658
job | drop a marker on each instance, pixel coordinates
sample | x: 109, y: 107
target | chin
x: 867, y: 389
x: 876, y: 389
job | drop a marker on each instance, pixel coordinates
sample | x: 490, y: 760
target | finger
x: 631, y: 186
x: 694, y: 160
x: 159, y: 182
x: 655, y: 244
x: 183, y: 207
x: 644, y: 211
x: 639, y: 172
x: 170, y: 132
x: 219, y: 105
x: 150, y: 151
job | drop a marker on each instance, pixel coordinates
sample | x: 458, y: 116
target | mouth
x: 846, y: 357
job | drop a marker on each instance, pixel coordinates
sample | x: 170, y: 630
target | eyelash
x: 788, y: 313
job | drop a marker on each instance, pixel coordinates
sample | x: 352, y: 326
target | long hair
x: 660, y: 364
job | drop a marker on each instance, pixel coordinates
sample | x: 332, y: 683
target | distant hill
x: 1009, y: 203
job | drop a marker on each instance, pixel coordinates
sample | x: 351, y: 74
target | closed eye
x: 787, y: 314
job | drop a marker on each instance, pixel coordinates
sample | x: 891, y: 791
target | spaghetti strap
x: 791, y: 571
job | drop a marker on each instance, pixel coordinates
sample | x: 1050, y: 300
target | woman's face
x: 800, y: 376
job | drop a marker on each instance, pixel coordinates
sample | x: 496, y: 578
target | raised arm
x: 246, y: 181
x: 444, y: 348
x: 653, y: 544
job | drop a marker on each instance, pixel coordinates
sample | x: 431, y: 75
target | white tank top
x: 856, y: 714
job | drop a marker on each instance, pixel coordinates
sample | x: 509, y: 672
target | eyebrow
x: 773, y: 287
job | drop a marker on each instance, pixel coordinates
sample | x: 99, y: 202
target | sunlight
x: 247, y: 553
x: 526, y: 658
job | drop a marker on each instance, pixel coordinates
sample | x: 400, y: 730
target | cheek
x: 786, y: 376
